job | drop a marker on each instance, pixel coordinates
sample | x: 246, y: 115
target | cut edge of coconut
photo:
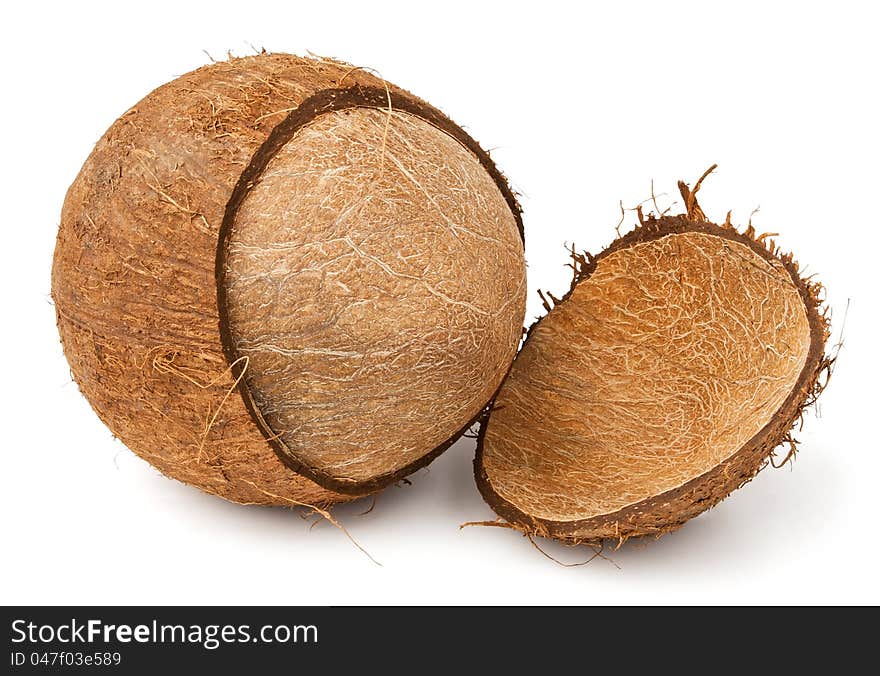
x: 671, y: 509
x: 326, y: 101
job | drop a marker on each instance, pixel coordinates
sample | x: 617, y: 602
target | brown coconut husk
x: 659, y: 511
x: 135, y: 272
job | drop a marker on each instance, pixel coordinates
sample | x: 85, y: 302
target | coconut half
x: 663, y: 380
x: 285, y: 280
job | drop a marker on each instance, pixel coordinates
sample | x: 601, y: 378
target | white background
x: 582, y: 106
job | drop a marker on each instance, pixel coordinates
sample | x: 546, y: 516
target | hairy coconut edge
x: 672, y: 508
x: 327, y: 101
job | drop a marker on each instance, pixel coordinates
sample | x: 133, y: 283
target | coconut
x: 284, y: 280
x: 664, y: 379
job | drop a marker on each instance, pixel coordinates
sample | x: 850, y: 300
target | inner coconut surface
x: 375, y: 281
x: 659, y: 366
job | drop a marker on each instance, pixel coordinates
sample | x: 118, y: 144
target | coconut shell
x: 140, y: 272
x: 680, y: 358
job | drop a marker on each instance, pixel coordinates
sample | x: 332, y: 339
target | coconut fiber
x: 663, y: 380
x: 283, y: 280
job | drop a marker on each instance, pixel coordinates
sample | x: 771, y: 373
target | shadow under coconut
x: 439, y: 496
x: 773, y: 513
x: 444, y: 491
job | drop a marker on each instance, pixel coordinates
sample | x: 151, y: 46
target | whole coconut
x: 283, y: 279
